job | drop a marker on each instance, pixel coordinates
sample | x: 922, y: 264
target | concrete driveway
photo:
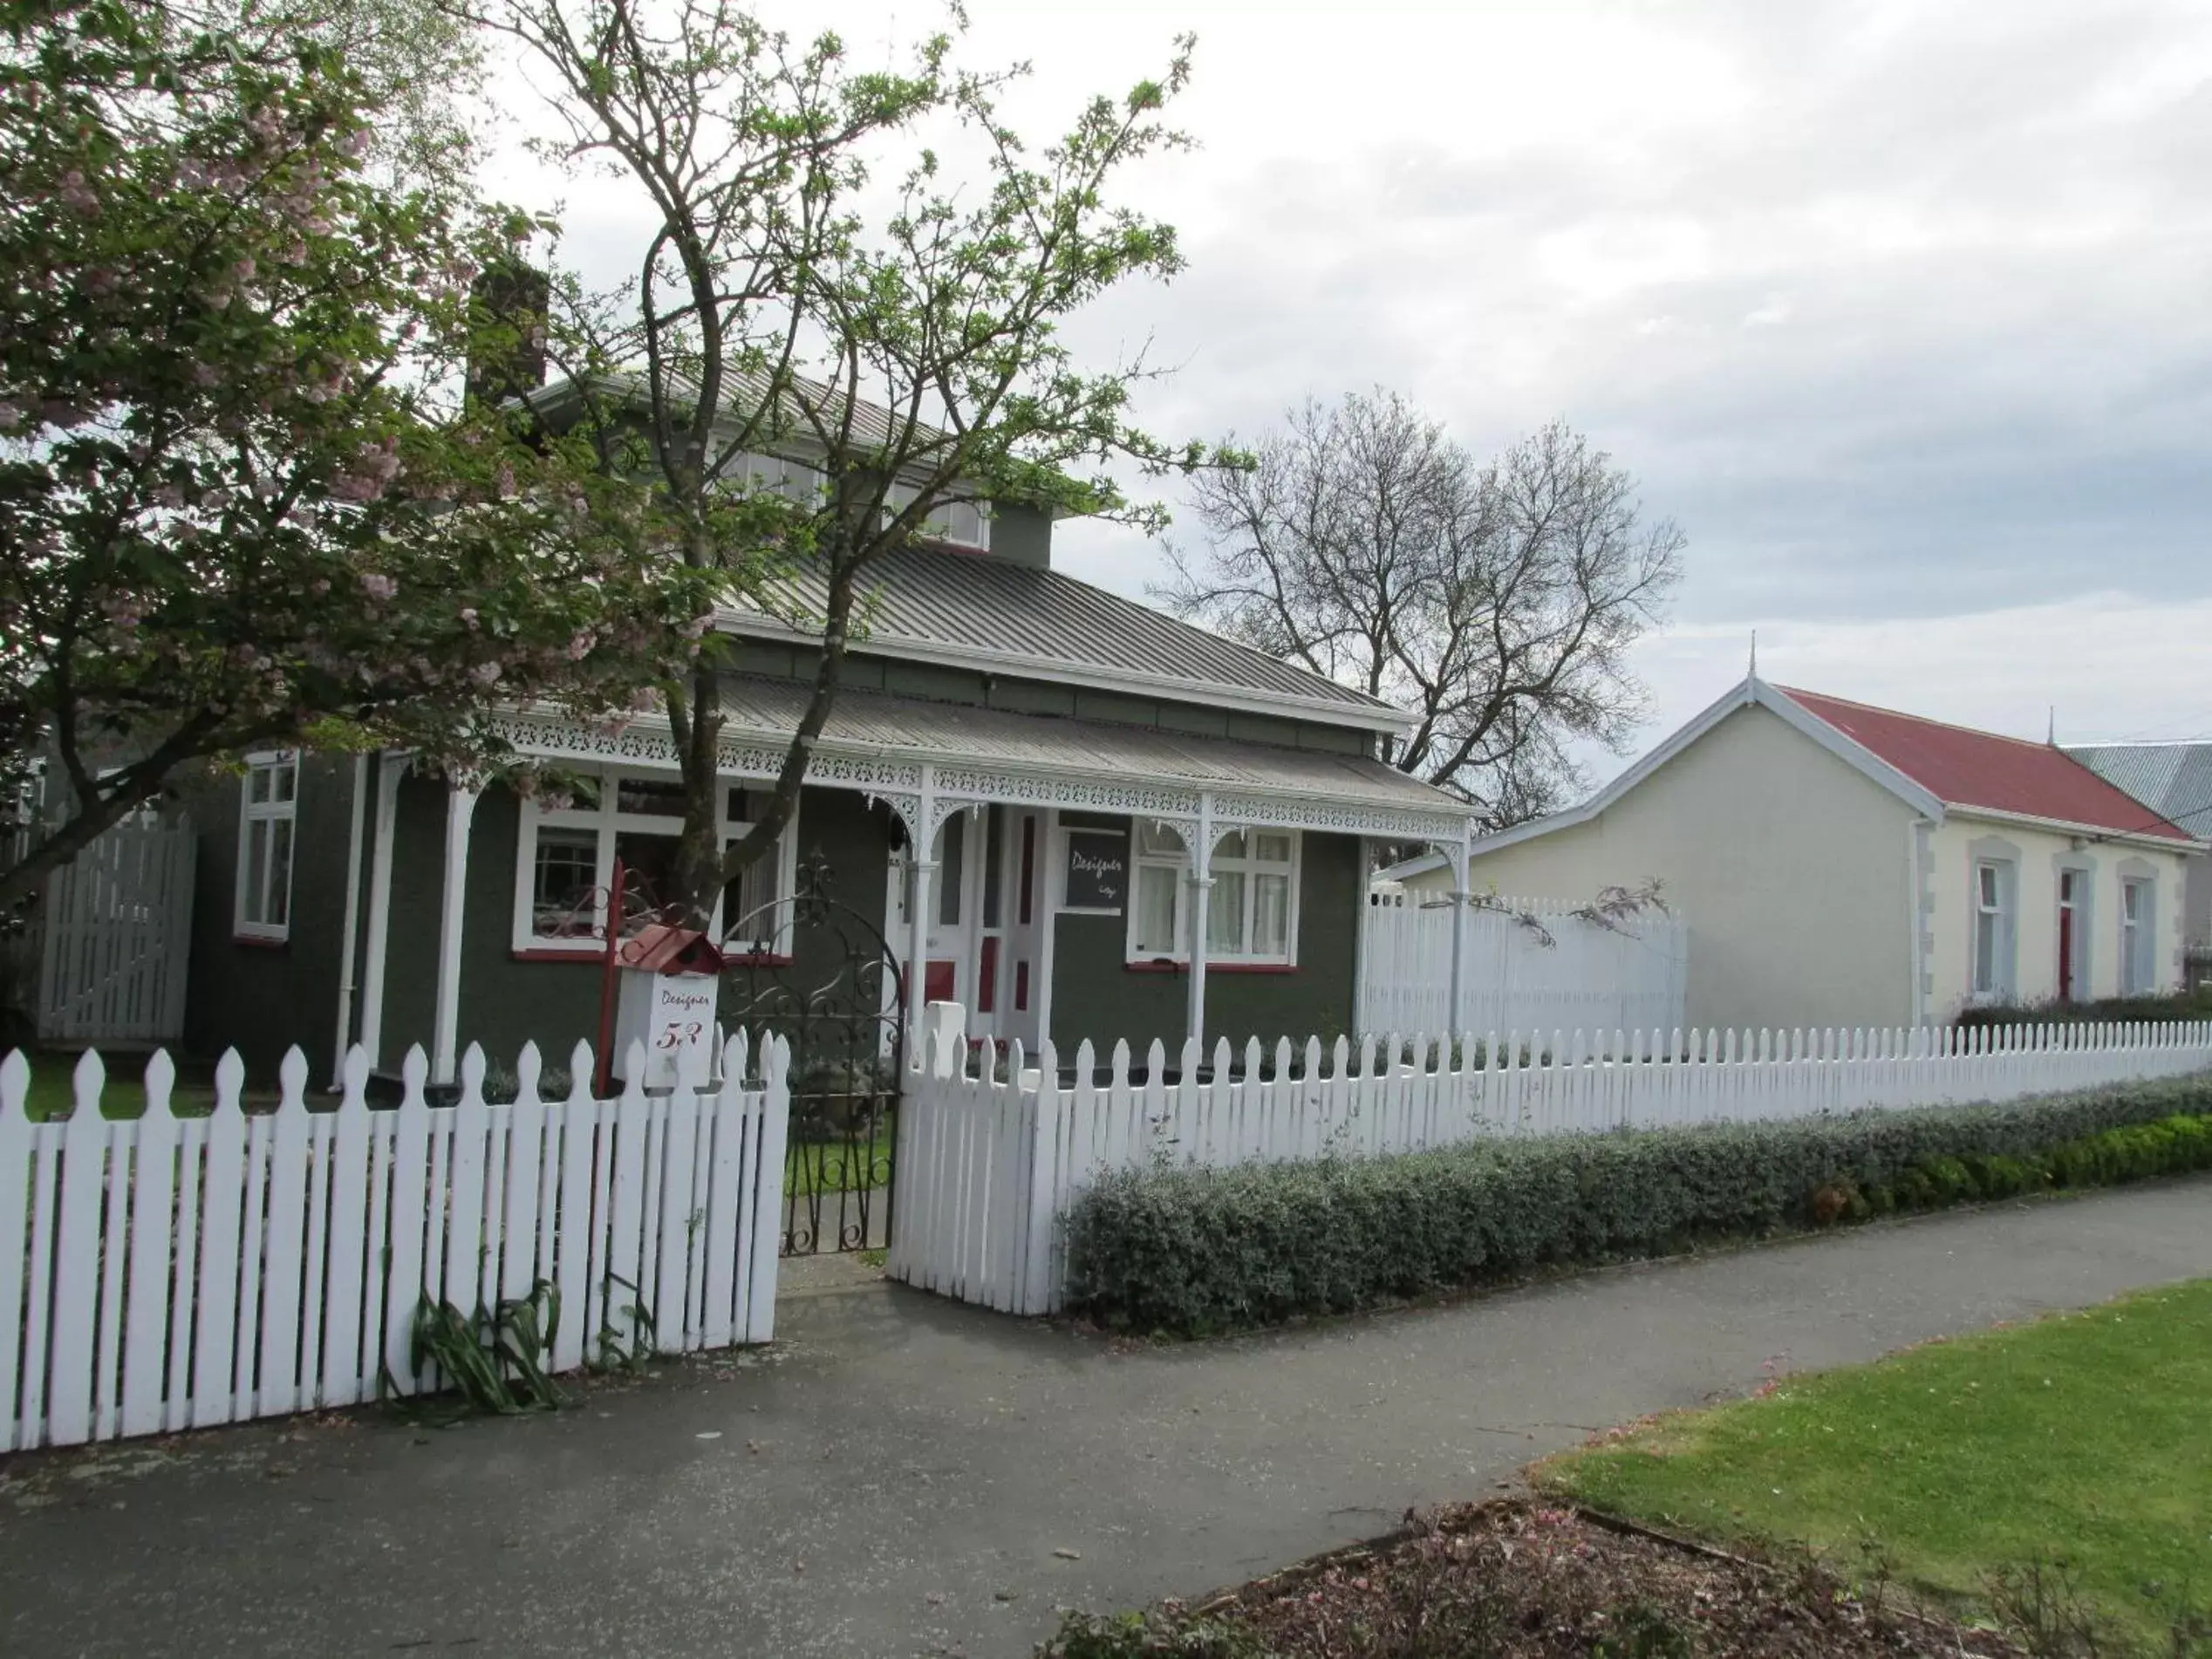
x: 900, y: 1475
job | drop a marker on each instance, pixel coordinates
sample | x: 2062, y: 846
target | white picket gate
x: 991, y: 1153
x: 1574, y: 975
x: 115, y: 926
x: 166, y: 1272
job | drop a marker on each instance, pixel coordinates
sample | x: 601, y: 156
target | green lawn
x: 53, y: 1089
x: 832, y: 1166
x: 2086, y: 1437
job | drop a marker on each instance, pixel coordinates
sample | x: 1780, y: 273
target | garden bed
x: 1514, y: 1579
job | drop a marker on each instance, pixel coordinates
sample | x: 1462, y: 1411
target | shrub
x: 2193, y: 1004
x: 1200, y: 1251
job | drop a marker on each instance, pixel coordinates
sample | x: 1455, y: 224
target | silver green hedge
x: 1193, y: 1251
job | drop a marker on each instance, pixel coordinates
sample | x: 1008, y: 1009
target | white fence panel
x: 168, y: 1272
x: 115, y: 937
x: 1572, y: 975
x: 992, y: 1158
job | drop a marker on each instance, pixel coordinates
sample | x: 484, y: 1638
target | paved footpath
x: 904, y: 1477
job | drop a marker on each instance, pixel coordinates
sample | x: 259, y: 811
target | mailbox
x: 671, y: 977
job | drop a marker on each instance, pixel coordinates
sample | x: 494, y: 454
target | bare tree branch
x: 1496, y: 603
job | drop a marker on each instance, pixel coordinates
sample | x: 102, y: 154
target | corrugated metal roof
x: 1043, y: 743
x: 1964, y: 767
x: 923, y: 595
x: 2174, y: 779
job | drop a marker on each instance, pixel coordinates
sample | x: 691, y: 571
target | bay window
x: 567, y: 849
x: 1251, y: 913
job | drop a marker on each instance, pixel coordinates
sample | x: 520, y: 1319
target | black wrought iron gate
x: 820, y: 975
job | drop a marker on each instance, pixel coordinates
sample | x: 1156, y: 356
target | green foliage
x: 2180, y: 1004
x: 243, y: 502
x: 617, y: 1351
x: 496, y: 1359
x: 1198, y: 1251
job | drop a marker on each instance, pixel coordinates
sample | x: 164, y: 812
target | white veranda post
x: 460, y: 808
x: 1201, y: 880
x: 1461, y: 904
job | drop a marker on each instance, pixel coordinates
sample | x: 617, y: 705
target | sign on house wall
x: 1097, y: 873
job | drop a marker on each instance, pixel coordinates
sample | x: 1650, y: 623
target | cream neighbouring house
x: 1847, y: 866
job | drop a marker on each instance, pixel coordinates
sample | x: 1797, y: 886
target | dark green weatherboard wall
x: 506, y: 1001
x: 1095, y: 995
x: 261, y: 999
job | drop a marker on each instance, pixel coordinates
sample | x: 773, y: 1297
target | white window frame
x: 605, y: 819
x: 2139, y: 937
x: 270, y: 765
x: 1224, y: 867
x: 1998, y: 967
x: 959, y: 523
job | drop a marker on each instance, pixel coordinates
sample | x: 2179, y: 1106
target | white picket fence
x: 1574, y: 974
x: 992, y: 1153
x: 115, y: 934
x: 166, y: 1272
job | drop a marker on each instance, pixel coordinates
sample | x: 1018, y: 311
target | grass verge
x: 2075, y: 1450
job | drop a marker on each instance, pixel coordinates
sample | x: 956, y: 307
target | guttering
x: 2179, y: 845
x: 1379, y: 717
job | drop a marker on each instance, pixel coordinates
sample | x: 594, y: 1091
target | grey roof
x: 1044, y: 742
x: 2172, y: 778
x: 1021, y: 613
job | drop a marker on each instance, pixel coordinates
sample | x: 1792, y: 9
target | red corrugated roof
x: 1967, y: 768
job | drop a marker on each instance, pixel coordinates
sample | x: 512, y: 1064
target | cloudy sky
x: 1903, y: 310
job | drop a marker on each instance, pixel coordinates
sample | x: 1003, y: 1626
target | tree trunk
x: 23, y: 877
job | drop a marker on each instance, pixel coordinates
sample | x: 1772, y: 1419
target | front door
x: 948, y: 972
x: 2069, y: 928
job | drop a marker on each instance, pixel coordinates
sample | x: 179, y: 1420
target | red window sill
x: 1212, y: 967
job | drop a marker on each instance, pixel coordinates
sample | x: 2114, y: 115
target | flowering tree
x: 241, y: 503
x: 900, y: 339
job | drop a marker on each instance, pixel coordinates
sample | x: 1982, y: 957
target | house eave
x: 2089, y: 832
x: 1377, y: 719
x: 900, y: 774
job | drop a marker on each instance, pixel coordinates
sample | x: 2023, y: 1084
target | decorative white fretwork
x: 898, y: 782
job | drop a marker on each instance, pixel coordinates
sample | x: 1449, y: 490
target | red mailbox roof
x: 660, y: 948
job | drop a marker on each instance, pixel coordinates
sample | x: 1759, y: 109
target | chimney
x: 507, y: 310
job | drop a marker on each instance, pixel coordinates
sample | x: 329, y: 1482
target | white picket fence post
x: 990, y: 1164
x: 168, y: 1272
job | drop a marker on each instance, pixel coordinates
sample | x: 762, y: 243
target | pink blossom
x: 11, y: 417
x: 580, y: 644
x: 378, y: 586
x: 485, y: 672
x: 468, y: 617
